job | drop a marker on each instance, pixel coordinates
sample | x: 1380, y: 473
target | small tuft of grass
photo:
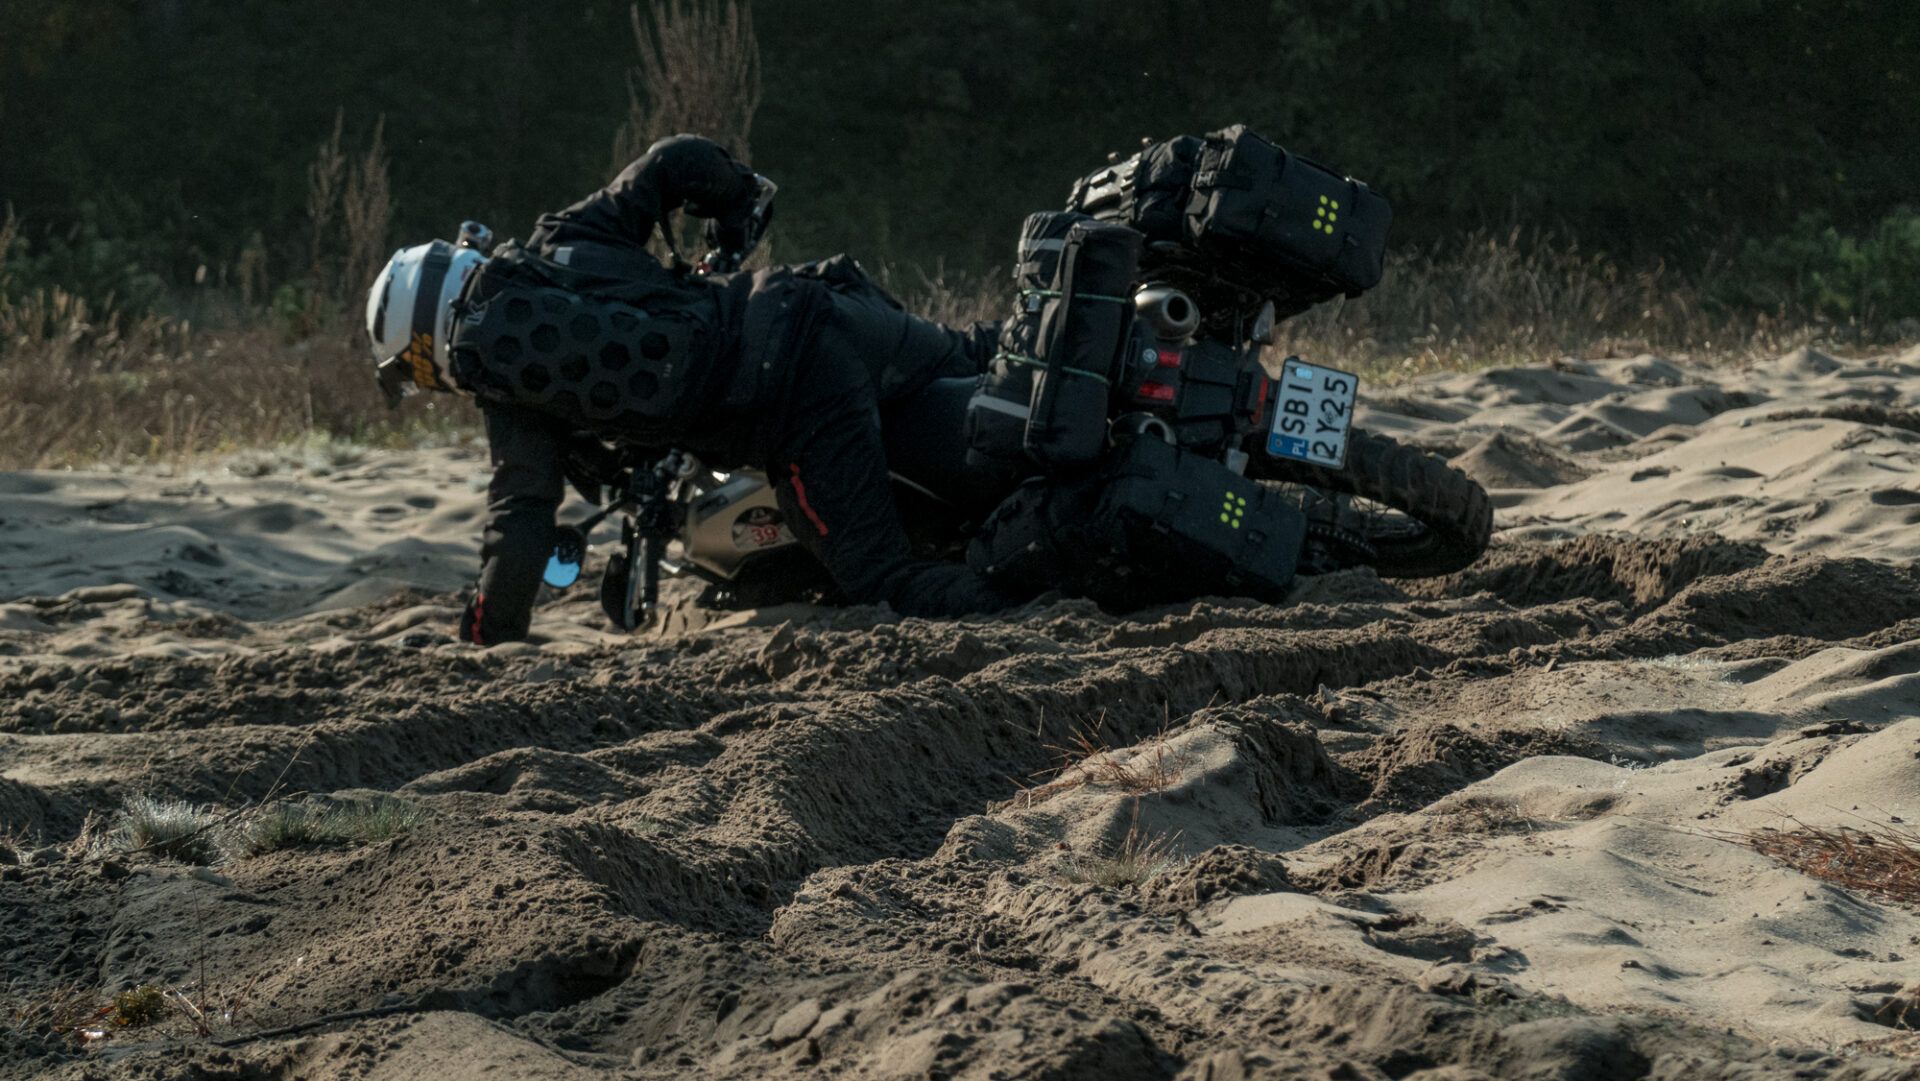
x: 374, y: 821
x: 139, y: 1007
x: 171, y: 828
x: 283, y: 825
x: 1880, y: 860
x: 299, y: 825
x: 1138, y: 859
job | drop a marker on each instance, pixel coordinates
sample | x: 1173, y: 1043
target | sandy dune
x: 1474, y: 828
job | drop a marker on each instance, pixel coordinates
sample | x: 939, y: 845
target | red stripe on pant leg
x: 479, y: 615
x: 800, y: 493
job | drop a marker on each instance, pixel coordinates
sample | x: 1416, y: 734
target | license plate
x: 1312, y: 414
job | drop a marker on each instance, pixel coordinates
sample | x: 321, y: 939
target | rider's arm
x: 682, y: 170
x: 526, y: 490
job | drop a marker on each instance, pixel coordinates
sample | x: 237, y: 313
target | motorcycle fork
x: 645, y: 530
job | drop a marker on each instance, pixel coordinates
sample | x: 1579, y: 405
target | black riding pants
x: 829, y: 464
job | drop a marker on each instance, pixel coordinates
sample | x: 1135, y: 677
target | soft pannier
x: 1152, y: 525
x: 998, y: 413
x: 1084, y: 328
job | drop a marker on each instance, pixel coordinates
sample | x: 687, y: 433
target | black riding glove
x: 730, y: 234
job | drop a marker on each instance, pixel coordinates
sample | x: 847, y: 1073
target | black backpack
x: 529, y: 332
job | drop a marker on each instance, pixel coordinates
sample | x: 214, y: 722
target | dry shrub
x: 366, y: 207
x: 299, y: 825
x: 326, y: 176
x: 349, y: 210
x: 699, y: 71
x: 9, y: 232
x: 1880, y: 860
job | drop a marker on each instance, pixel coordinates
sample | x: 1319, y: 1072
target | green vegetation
x: 173, y: 829
x: 299, y: 825
x: 169, y: 137
x: 1870, y: 278
x: 139, y: 1007
x: 182, y: 831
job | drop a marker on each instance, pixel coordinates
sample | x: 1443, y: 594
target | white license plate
x: 1312, y: 414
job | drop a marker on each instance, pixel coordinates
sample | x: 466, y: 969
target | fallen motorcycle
x: 1128, y: 407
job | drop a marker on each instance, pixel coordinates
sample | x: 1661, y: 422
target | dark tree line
x: 913, y: 131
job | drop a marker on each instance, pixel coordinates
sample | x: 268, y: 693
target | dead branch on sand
x: 1883, y: 860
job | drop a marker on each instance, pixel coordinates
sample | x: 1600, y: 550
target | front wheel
x: 1409, y: 515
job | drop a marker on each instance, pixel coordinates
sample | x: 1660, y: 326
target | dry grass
x: 300, y: 825
x: 1486, y: 300
x: 170, y: 828
x: 698, y: 71
x: 79, y: 387
x: 1139, y: 858
x: 59, y: 1011
x: 193, y: 834
x: 82, y: 382
x: 1880, y: 860
x: 1088, y: 759
x: 1507, y: 299
x: 83, y: 1016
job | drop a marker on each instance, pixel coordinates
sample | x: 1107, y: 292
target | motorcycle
x: 1191, y: 378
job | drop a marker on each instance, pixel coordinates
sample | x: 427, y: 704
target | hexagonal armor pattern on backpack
x: 597, y: 362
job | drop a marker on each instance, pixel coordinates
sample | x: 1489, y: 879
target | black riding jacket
x: 790, y: 379
x: 604, y: 237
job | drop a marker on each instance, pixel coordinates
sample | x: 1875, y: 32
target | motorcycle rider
x: 784, y: 369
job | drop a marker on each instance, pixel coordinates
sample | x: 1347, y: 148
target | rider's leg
x: 527, y: 488
x: 901, y: 352
x: 830, y: 474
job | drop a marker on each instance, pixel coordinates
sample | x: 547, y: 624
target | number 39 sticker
x: 1313, y: 413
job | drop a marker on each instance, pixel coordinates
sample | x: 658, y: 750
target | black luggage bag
x: 997, y: 414
x: 1043, y: 400
x: 1155, y: 524
x: 1084, y: 329
x: 1263, y: 218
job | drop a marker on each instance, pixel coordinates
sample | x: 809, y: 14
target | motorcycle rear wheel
x: 1443, y: 518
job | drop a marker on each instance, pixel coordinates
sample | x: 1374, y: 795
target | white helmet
x: 410, y: 313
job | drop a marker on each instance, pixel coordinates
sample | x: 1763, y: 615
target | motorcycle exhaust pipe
x: 1169, y: 312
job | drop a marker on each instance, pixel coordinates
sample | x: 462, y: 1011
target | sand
x: 1479, y: 827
